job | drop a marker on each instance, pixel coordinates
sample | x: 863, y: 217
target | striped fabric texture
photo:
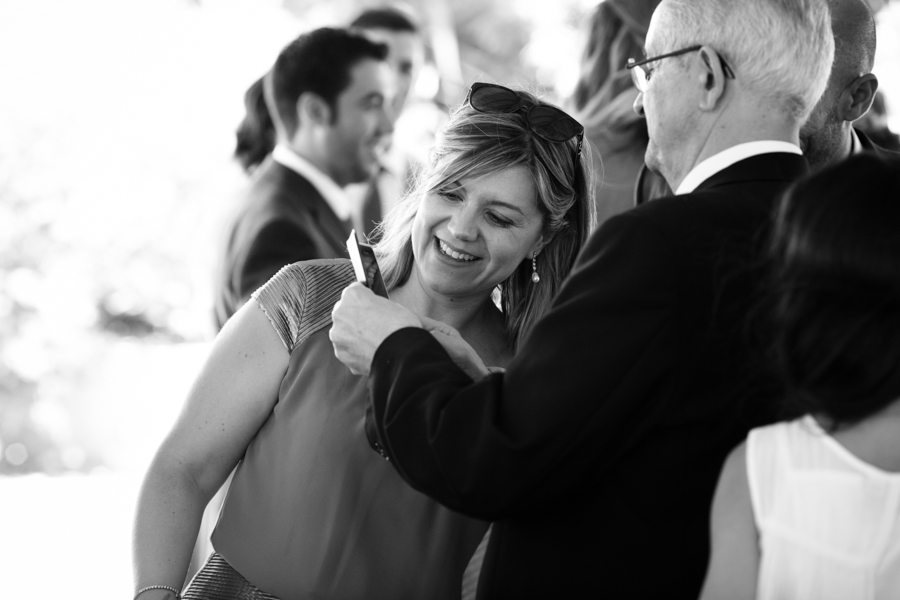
x: 299, y: 298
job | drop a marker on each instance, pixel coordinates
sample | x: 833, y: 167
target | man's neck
x: 822, y: 156
x: 850, y: 139
x: 305, y: 150
x: 732, y: 128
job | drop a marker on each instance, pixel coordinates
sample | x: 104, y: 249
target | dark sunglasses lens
x: 495, y: 99
x: 553, y: 124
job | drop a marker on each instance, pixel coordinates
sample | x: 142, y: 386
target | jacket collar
x: 724, y: 159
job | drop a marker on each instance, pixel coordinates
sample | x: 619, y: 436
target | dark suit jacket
x: 285, y: 220
x: 598, y: 451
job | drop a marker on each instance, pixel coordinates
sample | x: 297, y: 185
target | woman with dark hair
x: 256, y: 133
x: 505, y: 206
x: 810, y: 508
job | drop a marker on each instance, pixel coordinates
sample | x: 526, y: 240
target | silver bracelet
x: 158, y: 587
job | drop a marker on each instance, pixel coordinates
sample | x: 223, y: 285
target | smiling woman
x: 499, y: 204
x: 312, y: 511
x: 475, y: 232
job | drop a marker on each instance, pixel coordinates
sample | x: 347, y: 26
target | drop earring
x: 535, y: 278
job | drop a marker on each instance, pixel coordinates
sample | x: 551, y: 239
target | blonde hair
x: 473, y: 144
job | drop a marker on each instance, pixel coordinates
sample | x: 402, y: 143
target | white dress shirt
x: 855, y: 144
x: 724, y: 159
x: 334, y: 195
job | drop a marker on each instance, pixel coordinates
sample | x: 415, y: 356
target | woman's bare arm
x: 228, y: 403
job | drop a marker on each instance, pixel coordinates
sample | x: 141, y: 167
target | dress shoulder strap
x: 299, y: 298
x: 767, y: 464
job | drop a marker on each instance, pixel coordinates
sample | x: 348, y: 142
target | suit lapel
x: 305, y: 195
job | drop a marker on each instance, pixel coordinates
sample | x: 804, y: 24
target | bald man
x: 828, y: 135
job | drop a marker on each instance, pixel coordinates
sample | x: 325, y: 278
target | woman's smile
x: 448, y: 251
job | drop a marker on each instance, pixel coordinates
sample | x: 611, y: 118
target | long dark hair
x: 835, y: 267
x: 256, y: 132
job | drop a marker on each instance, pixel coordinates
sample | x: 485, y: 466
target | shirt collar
x: 855, y: 143
x: 333, y: 194
x: 724, y: 159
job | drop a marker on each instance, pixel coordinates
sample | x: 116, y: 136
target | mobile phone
x: 365, y: 266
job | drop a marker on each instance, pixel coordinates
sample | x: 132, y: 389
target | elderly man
x: 597, y: 451
x: 828, y: 135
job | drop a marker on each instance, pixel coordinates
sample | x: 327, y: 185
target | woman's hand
x: 459, y: 350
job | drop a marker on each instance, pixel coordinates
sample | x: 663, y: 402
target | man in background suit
x: 396, y: 29
x: 330, y: 98
x: 597, y: 452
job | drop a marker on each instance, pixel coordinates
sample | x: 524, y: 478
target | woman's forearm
x: 233, y: 395
x: 169, y: 511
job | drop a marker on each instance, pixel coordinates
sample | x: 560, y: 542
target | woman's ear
x: 539, y: 245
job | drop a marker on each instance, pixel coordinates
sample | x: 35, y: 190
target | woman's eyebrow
x: 495, y: 202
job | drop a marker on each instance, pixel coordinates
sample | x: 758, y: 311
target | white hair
x: 780, y: 49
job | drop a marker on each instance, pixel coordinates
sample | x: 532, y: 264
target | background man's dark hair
x: 319, y: 62
x: 385, y: 17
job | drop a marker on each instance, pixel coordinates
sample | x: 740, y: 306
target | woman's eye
x: 499, y: 221
x: 450, y: 196
x: 647, y: 73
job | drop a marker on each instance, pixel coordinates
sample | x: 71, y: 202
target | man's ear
x: 857, y: 98
x: 711, y: 77
x: 312, y: 108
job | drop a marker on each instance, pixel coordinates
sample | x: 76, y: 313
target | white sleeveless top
x: 829, y: 523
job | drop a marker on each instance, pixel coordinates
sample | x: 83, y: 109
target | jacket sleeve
x: 585, y: 387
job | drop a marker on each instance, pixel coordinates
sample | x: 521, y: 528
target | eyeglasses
x: 548, y: 122
x: 640, y: 81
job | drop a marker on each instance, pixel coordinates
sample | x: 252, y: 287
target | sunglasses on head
x: 547, y: 122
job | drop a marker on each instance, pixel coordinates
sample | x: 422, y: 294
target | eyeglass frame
x: 641, y: 85
x: 525, y: 102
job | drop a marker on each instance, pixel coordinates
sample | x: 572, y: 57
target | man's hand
x: 459, y: 350
x: 361, y: 321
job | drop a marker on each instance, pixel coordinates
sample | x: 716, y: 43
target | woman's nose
x: 462, y: 224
